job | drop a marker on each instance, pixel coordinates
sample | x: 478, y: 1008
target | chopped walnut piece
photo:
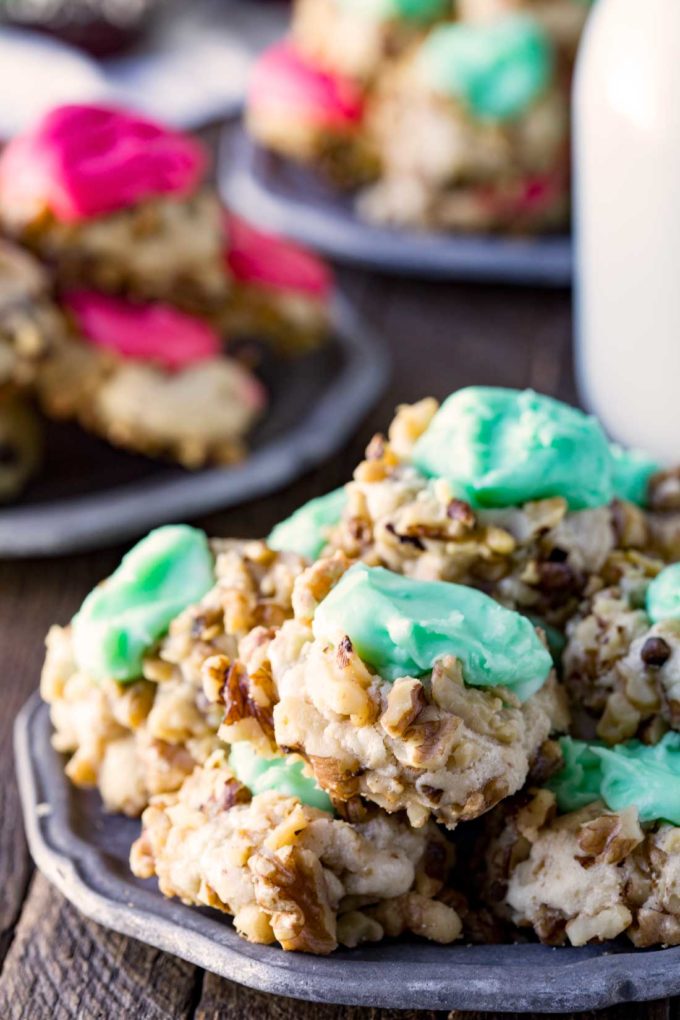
x: 340, y: 781
x: 290, y: 886
x: 318, y: 581
x: 435, y: 920
x: 248, y: 701
x: 428, y: 744
x: 355, y: 928
x: 609, y: 838
x: 536, y: 814
x: 405, y: 701
x: 409, y: 423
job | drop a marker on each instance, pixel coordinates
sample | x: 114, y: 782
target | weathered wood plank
x: 32, y: 596
x: 63, y: 967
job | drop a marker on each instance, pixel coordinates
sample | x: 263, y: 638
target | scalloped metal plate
x: 83, y: 851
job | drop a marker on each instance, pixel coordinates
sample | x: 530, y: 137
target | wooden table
x: 59, y: 965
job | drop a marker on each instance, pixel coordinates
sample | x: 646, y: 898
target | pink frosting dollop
x: 80, y: 162
x: 153, y: 332
x: 282, y: 80
x: 254, y: 256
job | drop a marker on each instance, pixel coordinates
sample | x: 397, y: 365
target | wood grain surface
x: 56, y: 965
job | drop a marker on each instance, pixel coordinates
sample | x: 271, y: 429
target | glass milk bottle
x: 627, y: 222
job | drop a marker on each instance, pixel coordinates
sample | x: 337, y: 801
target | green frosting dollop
x: 401, y: 626
x: 305, y: 531
x: 419, y: 11
x: 631, y: 472
x: 501, y: 447
x: 121, y: 620
x: 630, y: 774
x: 284, y: 775
x: 663, y: 595
x: 497, y: 71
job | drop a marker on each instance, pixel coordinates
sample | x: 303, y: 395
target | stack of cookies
x: 439, y: 700
x: 439, y: 115
x: 123, y: 284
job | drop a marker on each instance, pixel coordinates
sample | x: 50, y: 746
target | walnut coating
x: 248, y: 701
x: 290, y: 887
x: 618, y: 665
x: 291, y: 873
x: 585, y: 876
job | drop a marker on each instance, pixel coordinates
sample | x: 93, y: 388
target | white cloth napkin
x: 192, y: 70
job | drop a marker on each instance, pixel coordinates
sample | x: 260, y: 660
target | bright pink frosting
x: 270, y: 261
x: 283, y: 80
x: 80, y: 162
x: 153, y: 332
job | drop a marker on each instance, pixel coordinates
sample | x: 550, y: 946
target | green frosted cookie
x: 123, y: 618
x: 627, y: 775
x: 496, y: 71
x: 401, y: 626
x: 501, y: 447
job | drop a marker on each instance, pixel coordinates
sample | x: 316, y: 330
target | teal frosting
x: 497, y: 70
x: 631, y: 472
x: 284, y: 775
x: 305, y: 531
x: 627, y: 775
x: 501, y: 447
x: 121, y: 620
x: 419, y: 11
x: 401, y: 626
x: 663, y: 595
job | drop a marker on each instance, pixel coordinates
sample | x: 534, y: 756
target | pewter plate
x: 281, y: 196
x: 83, y: 852
x: 89, y: 494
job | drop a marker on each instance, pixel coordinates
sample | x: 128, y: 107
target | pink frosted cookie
x: 284, y: 82
x: 150, y: 379
x: 156, y: 333
x: 80, y: 162
x: 116, y: 203
x: 280, y: 289
x: 271, y: 262
x: 309, y: 114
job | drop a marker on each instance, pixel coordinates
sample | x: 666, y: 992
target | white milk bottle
x: 627, y: 222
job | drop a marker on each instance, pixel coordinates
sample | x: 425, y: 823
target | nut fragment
x: 610, y: 837
x: 405, y: 701
x: 291, y: 885
x: 655, y: 652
